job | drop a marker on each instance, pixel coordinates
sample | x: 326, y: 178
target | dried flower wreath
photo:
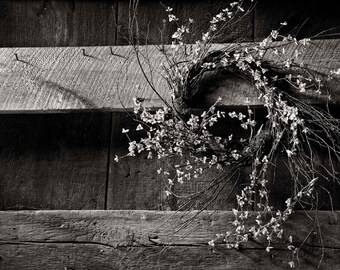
x: 291, y: 126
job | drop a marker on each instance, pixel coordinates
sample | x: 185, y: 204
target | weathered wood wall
x: 50, y: 144
x: 65, y: 161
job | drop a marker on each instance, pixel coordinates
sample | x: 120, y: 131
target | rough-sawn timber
x: 92, y: 239
x: 105, y: 78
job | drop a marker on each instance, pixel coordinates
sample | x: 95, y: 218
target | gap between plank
x: 108, y: 162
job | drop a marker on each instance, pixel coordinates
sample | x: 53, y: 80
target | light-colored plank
x: 53, y: 79
x: 56, y: 79
x: 125, y: 227
x: 121, y: 239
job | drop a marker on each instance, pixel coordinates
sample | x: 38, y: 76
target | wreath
x: 291, y: 128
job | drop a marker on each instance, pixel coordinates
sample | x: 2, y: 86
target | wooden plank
x: 55, y: 79
x: 57, y: 23
x: 93, y: 23
x: 202, y: 11
x: 35, y: 23
x: 53, y: 161
x: 130, y: 227
x: 319, y: 61
x: 150, y: 16
x: 121, y: 239
x: 133, y: 182
x: 151, y: 13
x: 305, y: 18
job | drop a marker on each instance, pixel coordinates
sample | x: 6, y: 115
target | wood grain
x: 91, y: 78
x: 53, y: 161
x: 38, y: 23
x: 121, y: 239
x: 32, y: 256
x: 94, y: 23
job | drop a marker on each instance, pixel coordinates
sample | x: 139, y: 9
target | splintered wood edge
x: 63, y: 79
x: 97, y: 239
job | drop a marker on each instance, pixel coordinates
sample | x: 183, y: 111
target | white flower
x: 291, y: 264
x: 290, y: 238
x: 116, y: 158
x: 274, y: 34
x: 139, y: 127
x: 211, y: 243
x: 205, y: 36
x: 335, y: 72
x: 289, y: 153
x: 125, y: 130
x: 169, y: 9
x: 268, y: 248
x: 172, y: 18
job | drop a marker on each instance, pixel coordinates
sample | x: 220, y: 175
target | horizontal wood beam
x: 153, y: 240
x: 103, y: 78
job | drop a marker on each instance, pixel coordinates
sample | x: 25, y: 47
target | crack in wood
x: 159, y: 244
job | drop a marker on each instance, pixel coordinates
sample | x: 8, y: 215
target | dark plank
x: 54, y: 79
x: 305, y: 18
x: 133, y: 182
x: 35, y: 23
x: 281, y: 185
x: 151, y: 13
x: 150, y: 16
x: 57, y: 23
x: 120, y: 239
x: 94, y: 23
x: 53, y: 161
x: 240, y: 29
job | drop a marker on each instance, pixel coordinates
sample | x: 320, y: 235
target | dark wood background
x: 65, y: 161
